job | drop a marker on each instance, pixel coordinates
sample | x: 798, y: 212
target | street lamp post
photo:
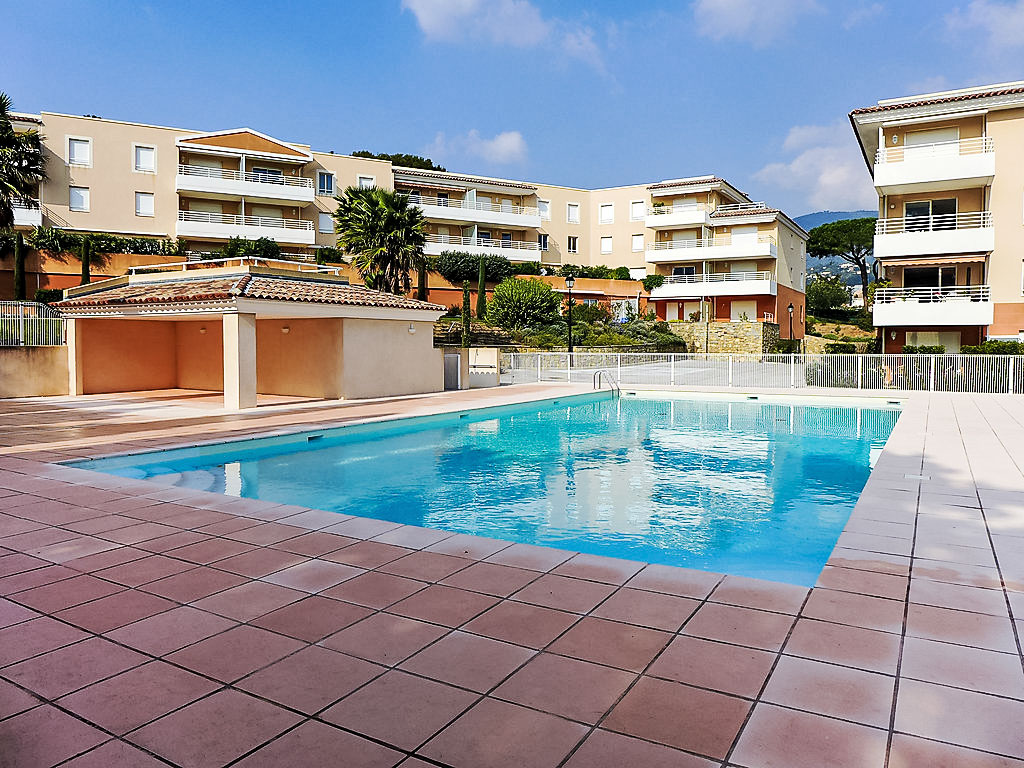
x: 790, y: 321
x: 570, y: 281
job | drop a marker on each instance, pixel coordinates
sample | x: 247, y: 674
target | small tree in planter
x: 465, y: 313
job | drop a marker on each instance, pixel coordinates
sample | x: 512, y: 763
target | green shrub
x: 62, y: 241
x: 458, y: 266
x: 48, y: 295
x: 653, y: 281
x: 329, y: 254
x: 527, y: 268
x: 826, y: 293
x: 787, y: 347
x: 591, y: 313
x: 994, y: 347
x: 840, y: 348
x: 621, y: 273
x: 924, y: 349
x: 518, y: 303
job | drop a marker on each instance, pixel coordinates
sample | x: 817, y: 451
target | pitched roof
x: 695, y: 181
x: 247, y: 285
x: 718, y: 213
x: 948, y: 99
x: 445, y: 175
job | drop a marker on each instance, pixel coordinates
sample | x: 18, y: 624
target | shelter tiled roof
x: 246, y: 285
x: 940, y: 100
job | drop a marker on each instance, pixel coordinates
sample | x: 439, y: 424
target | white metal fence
x: 30, y: 324
x: 945, y: 373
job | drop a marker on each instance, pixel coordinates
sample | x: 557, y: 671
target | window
x: 366, y: 181
x: 326, y: 222
x: 572, y: 246
x: 606, y: 214
x: 442, y: 199
x: 484, y: 234
x: 506, y: 238
x: 325, y: 183
x: 942, y: 213
x: 78, y: 198
x: 637, y: 243
x: 606, y: 245
x: 144, y: 159
x: 80, y: 152
x: 637, y: 209
x: 143, y: 203
x: 544, y: 206
x: 572, y: 213
x: 542, y: 241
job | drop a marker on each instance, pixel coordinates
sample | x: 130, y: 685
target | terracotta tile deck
x: 142, y: 625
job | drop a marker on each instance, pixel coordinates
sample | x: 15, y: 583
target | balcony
x: 934, y: 235
x: 221, y: 226
x: 717, y: 284
x: 935, y: 167
x: 26, y: 215
x: 718, y: 248
x: 270, y: 186
x: 472, y: 212
x: 947, y: 306
x: 675, y: 216
x: 514, y: 250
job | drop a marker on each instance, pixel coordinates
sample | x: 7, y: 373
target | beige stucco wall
x: 33, y: 371
x: 381, y: 358
x: 305, y: 361
x: 1006, y: 127
x: 346, y: 170
x: 199, y: 353
x: 791, y: 265
x: 126, y: 355
x: 621, y: 230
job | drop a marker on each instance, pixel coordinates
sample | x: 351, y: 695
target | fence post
x: 618, y: 366
x: 730, y: 370
x: 792, y: 370
x: 21, y: 324
x: 860, y: 376
x: 931, y: 375
x: 1009, y: 380
x: 672, y: 370
x: 568, y: 366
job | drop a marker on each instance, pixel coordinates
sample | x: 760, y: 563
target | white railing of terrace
x: 976, y: 293
x: 903, y: 373
x: 244, y: 221
x: 657, y: 210
x: 482, y: 242
x: 975, y: 146
x: 30, y: 324
x: 25, y: 205
x: 257, y: 178
x: 256, y: 261
x: 707, y: 242
x: 944, y: 222
x: 719, y: 277
x: 732, y: 207
x: 444, y: 202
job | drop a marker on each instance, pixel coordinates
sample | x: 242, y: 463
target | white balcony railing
x: 720, y: 277
x: 660, y: 210
x: 27, y: 213
x: 708, y: 242
x: 444, y: 202
x: 482, y: 242
x: 245, y: 221
x: 976, y: 146
x: 202, y: 171
x: 934, y: 295
x: 944, y: 222
x: 732, y: 207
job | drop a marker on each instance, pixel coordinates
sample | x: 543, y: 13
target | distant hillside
x: 833, y: 265
x: 810, y: 220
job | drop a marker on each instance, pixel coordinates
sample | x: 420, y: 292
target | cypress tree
x: 481, y: 291
x: 85, y: 254
x: 465, y: 313
x: 19, y: 267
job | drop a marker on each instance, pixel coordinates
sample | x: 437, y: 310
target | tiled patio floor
x: 142, y: 625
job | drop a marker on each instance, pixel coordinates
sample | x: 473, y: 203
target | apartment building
x: 724, y: 256
x: 949, y: 171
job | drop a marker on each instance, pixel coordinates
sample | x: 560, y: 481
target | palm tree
x: 22, y: 165
x: 384, y: 234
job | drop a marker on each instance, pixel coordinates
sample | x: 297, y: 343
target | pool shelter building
x: 248, y: 329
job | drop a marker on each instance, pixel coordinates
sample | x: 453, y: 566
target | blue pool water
x: 753, y: 488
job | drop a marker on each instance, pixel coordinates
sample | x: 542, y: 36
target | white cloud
x: 505, y: 148
x: 826, y: 170
x: 1001, y: 23
x: 516, y: 23
x: 758, y: 22
x: 862, y: 14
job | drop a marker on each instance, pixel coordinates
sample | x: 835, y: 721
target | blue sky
x: 590, y: 94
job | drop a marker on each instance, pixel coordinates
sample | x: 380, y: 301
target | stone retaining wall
x: 733, y: 337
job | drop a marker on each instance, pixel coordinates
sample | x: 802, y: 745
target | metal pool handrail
x: 613, y: 385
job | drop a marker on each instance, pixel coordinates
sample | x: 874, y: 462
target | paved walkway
x: 142, y: 625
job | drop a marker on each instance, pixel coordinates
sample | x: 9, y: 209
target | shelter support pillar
x: 239, y: 361
x: 75, y: 357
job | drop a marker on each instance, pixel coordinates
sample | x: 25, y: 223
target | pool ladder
x: 603, y: 374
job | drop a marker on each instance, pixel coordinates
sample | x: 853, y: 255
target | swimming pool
x: 751, y: 487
